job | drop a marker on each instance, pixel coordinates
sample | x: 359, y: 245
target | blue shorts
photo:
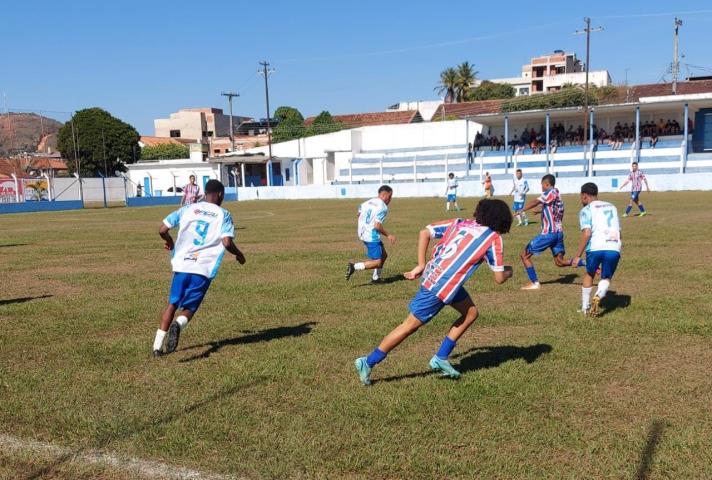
x: 516, y: 206
x: 606, y: 259
x: 540, y: 243
x: 374, y: 250
x: 635, y: 195
x: 451, y: 197
x: 425, y: 305
x: 188, y: 290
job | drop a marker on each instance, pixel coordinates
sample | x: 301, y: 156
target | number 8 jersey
x: 602, y: 219
x: 198, y: 248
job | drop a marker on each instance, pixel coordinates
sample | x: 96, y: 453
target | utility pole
x: 675, y: 59
x: 229, y: 96
x: 103, y: 144
x: 587, y: 31
x: 266, y: 73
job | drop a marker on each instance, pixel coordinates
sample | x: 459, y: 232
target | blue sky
x: 144, y: 59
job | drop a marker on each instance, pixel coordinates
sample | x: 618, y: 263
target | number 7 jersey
x: 602, y: 219
x: 198, y: 248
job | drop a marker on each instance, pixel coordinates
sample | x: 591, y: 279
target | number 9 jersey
x: 602, y: 218
x: 198, y: 248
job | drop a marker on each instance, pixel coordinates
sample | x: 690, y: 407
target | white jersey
x: 521, y: 187
x: 452, y: 186
x: 370, y: 212
x: 602, y: 219
x: 198, y: 248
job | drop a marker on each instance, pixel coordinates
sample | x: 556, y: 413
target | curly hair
x: 494, y: 214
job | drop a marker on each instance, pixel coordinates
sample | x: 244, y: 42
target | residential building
x: 197, y: 124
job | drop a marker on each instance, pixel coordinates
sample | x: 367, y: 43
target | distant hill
x: 23, y: 132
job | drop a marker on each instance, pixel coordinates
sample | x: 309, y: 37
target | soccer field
x: 263, y: 383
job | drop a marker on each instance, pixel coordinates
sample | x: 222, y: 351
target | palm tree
x: 466, y: 76
x: 448, y: 84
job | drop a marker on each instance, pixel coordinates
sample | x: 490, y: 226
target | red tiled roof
x: 153, y: 141
x: 376, y: 118
x: 465, y: 109
x: 47, y: 163
x: 8, y: 166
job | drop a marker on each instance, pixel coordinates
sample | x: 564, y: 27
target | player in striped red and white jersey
x: 636, y: 178
x: 462, y: 247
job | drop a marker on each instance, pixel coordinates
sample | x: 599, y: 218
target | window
x: 209, y: 133
x: 217, y: 150
x: 175, y: 133
x: 286, y: 174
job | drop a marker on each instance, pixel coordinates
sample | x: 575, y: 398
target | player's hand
x: 391, y: 239
x: 168, y: 246
x: 415, y: 273
x: 240, y: 258
x: 575, y: 262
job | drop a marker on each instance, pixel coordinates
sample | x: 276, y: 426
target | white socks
x: 158, y: 341
x: 585, y: 298
x: 182, y: 322
x: 447, y: 206
x: 359, y: 266
x: 603, y: 288
x: 376, y: 273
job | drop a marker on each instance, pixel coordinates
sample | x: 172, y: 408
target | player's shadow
x: 612, y: 301
x: 10, y: 301
x: 385, y: 281
x: 480, y: 358
x: 567, y: 279
x: 13, y: 245
x: 251, y: 337
x: 646, y: 456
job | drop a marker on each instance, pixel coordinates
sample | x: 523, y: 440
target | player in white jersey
x: 451, y: 192
x: 206, y: 232
x: 371, y: 215
x: 520, y: 188
x: 601, y: 239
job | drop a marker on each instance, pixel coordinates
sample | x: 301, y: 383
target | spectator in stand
x: 191, y: 192
x: 675, y: 127
x: 469, y: 155
x: 661, y: 127
x: 500, y: 143
x: 653, y: 140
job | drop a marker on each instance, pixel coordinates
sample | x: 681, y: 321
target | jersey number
x: 201, y: 229
x: 609, y: 217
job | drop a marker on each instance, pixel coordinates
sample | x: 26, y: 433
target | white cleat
x: 532, y: 286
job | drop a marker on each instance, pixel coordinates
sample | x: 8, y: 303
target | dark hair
x: 494, y: 214
x: 385, y: 188
x: 214, y: 186
x: 549, y: 178
x: 518, y: 170
x: 634, y: 163
x: 590, y: 188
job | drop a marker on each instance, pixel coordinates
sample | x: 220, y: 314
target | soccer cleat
x: 584, y: 311
x: 642, y: 214
x: 595, y: 309
x: 173, y: 337
x: 157, y: 353
x: 376, y: 281
x: 350, y: 270
x: 625, y: 215
x: 526, y: 223
x: 364, y: 371
x: 444, y: 367
x: 532, y: 286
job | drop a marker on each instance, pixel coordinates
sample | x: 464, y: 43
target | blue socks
x: 628, y: 209
x: 582, y: 263
x: 446, y: 348
x: 532, y: 274
x: 375, y: 357
x: 641, y: 208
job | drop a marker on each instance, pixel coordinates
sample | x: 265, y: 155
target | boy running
x: 206, y: 231
x: 552, y: 232
x: 636, y: 178
x: 520, y: 188
x: 601, y: 239
x: 451, y: 192
x: 463, y: 246
x: 371, y: 215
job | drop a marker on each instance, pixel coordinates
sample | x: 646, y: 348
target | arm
x: 503, y: 276
x: 423, y: 243
x: 647, y: 187
x: 165, y: 234
x: 230, y: 246
x: 531, y: 204
x: 624, y: 184
x: 378, y: 226
x: 585, y: 237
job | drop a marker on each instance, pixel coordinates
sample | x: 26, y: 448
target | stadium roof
x: 354, y: 120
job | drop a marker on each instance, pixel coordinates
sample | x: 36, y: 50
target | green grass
x: 264, y: 386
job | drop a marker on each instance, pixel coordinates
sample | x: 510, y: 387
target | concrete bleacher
x: 433, y: 163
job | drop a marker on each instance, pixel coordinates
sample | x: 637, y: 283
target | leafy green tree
x: 291, y: 125
x: 448, y: 84
x: 324, y: 123
x: 99, y: 136
x: 165, y: 151
x: 466, y: 76
x: 491, y: 91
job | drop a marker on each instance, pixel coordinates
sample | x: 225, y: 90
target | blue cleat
x: 444, y: 367
x: 364, y: 371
